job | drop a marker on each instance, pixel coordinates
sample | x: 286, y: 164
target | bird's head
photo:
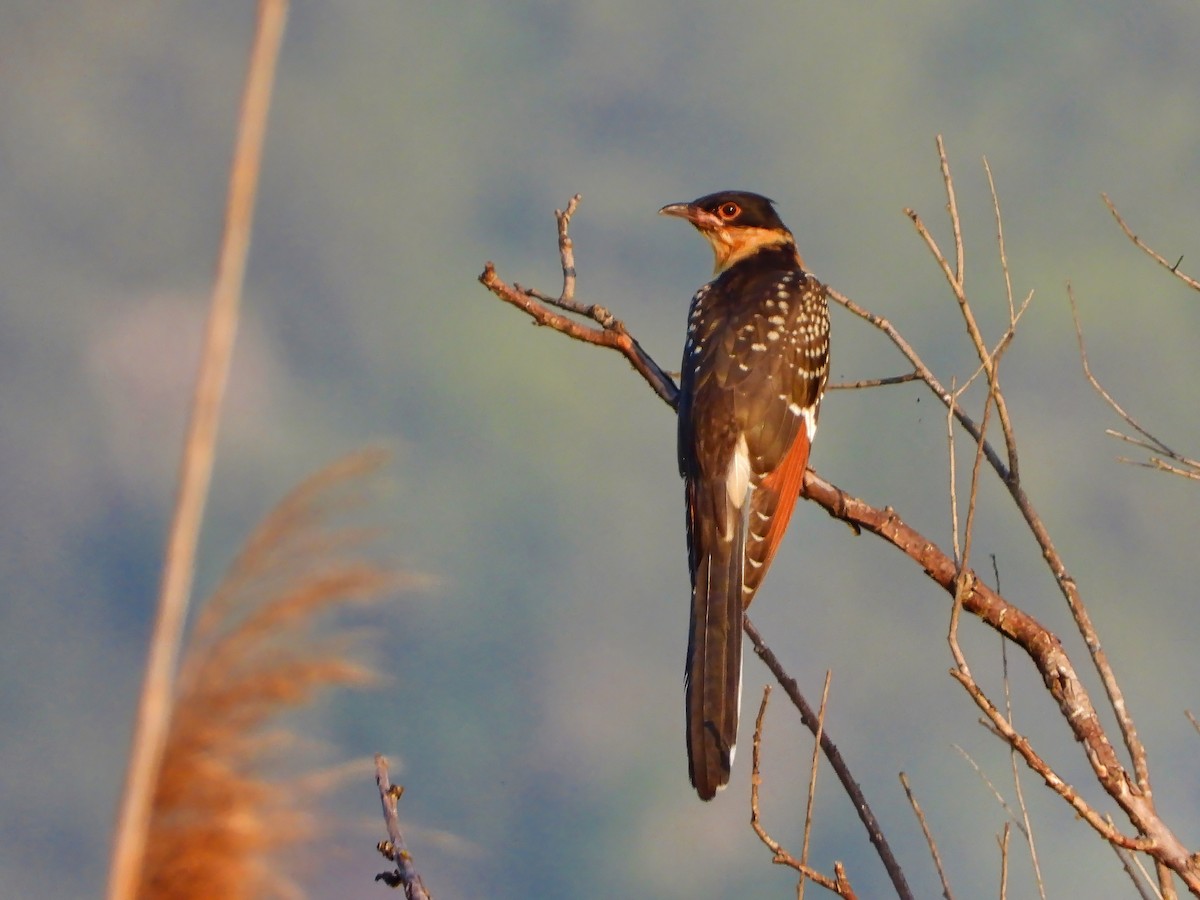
x: 737, y: 224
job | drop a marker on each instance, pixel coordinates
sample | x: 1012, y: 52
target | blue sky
x: 536, y: 694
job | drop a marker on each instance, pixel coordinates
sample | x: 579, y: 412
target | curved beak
x: 699, y: 217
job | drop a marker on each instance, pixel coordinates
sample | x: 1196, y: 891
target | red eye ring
x: 729, y: 210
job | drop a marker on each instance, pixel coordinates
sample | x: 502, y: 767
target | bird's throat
x: 731, y: 245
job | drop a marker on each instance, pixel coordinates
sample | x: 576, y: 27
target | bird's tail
x: 714, y: 660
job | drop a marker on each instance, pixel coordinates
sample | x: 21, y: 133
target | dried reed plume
x: 219, y: 825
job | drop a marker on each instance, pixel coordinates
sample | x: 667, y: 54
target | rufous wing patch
x: 783, y: 485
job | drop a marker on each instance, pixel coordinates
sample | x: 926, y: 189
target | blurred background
x: 534, y: 709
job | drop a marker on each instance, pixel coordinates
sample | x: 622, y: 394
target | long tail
x: 714, y: 660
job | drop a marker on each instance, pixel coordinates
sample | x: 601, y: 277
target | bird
x: 755, y: 366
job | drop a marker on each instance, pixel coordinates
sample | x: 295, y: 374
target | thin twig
x: 952, y: 209
x: 1026, y: 822
x: 991, y: 787
x: 1188, y: 468
x: 1137, y: 874
x: 812, y: 782
x: 1172, y: 267
x: 394, y: 848
x: 874, y: 382
x: 1004, y: 860
x: 195, y: 471
x: 929, y: 840
x: 1008, y: 292
x: 924, y: 373
x: 955, y: 279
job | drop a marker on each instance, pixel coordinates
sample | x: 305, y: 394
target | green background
x: 535, y: 703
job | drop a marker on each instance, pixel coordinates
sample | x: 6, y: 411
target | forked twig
x: 611, y: 332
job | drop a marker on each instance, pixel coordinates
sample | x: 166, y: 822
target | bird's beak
x: 701, y: 218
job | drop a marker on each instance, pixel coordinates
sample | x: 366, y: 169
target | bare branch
x: 925, y: 374
x: 1046, y: 652
x: 952, y: 209
x: 1026, y: 822
x: 957, y: 286
x: 1010, y: 477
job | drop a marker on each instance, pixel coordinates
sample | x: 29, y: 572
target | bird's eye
x: 730, y: 210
